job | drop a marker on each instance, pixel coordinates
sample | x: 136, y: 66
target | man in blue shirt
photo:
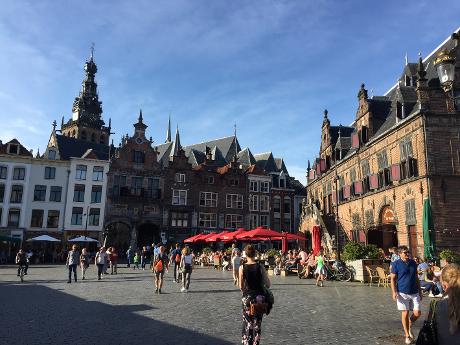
x: 405, y: 286
x: 175, y: 260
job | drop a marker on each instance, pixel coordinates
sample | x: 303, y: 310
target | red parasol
x: 216, y: 237
x: 231, y: 236
x: 259, y: 232
x: 191, y: 239
x: 316, y: 239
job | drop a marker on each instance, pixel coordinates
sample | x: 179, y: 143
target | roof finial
x: 407, y: 62
x: 421, y: 68
x: 62, y: 122
x: 54, y: 125
x: 140, y: 116
x: 92, y: 50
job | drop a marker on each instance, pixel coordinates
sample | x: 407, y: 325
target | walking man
x: 73, y: 259
x: 176, y: 261
x: 129, y: 256
x: 405, y: 287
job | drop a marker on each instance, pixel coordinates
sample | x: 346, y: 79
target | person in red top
x: 216, y: 258
x: 113, y: 258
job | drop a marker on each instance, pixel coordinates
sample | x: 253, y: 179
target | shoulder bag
x: 428, y: 334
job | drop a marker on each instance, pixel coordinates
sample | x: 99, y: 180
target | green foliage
x: 357, y: 251
x: 450, y: 256
x: 207, y: 250
x: 229, y: 250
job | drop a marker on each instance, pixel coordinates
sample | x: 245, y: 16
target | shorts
x: 159, y: 274
x: 408, y: 302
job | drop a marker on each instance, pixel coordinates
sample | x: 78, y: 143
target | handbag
x: 428, y: 333
x: 258, y: 309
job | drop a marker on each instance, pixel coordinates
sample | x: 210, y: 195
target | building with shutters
x: 370, y: 179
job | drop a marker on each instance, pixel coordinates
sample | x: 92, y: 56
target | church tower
x: 86, y: 122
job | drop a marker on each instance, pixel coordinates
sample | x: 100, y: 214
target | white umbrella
x: 83, y: 239
x: 44, y: 238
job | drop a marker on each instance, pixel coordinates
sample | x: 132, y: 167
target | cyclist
x: 21, y: 261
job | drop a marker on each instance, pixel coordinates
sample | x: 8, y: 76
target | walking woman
x: 160, y: 264
x: 252, y: 279
x: 186, y: 266
x: 320, y: 269
x: 447, y: 312
x: 100, y: 261
x: 84, y: 262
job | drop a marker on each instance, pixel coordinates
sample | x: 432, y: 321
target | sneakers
x: 408, y: 340
x: 438, y: 295
x: 431, y: 294
x: 156, y: 291
x: 69, y: 282
x: 183, y: 289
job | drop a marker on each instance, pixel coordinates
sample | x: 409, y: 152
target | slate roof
x: 266, y: 162
x: 345, y: 131
x: 299, y: 188
x: 71, y: 147
x: 280, y: 165
x: 245, y: 158
x: 225, y: 145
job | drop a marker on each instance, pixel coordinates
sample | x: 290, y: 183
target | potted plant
x: 448, y: 256
x: 358, y: 255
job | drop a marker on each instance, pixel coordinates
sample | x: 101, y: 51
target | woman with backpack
x: 186, y: 265
x: 253, y: 279
x: 160, y: 264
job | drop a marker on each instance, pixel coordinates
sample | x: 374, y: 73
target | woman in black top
x: 252, y: 277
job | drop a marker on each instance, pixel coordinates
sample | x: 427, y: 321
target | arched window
x: 73, y: 133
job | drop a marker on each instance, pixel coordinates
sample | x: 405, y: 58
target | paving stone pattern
x: 122, y: 309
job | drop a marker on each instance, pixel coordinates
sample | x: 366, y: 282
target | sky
x: 270, y: 67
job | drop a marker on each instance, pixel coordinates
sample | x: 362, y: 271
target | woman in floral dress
x: 252, y: 279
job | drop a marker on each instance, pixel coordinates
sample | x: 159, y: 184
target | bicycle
x: 338, y: 272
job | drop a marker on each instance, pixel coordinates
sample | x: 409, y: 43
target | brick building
x: 371, y: 179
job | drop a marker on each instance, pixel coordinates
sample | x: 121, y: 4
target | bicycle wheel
x: 345, y: 275
x: 22, y: 275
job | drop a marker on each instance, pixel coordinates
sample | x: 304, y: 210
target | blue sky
x: 271, y: 67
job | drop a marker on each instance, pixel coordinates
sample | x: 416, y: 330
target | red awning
x: 231, y: 236
x: 216, y: 237
x: 259, y: 232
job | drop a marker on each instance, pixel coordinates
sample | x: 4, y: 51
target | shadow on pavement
x: 34, y: 314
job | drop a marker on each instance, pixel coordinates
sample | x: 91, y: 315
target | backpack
x: 177, y: 257
x: 158, y: 266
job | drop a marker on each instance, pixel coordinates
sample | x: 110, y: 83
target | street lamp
x: 445, y: 67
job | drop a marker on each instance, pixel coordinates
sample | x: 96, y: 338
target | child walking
x: 320, y: 269
x: 137, y: 259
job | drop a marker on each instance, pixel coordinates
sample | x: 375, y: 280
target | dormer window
x: 51, y: 154
x: 400, y: 110
x: 407, y: 81
x: 13, y: 149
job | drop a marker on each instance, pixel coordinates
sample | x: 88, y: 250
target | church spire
x: 168, y: 131
x: 86, y: 107
x: 176, y: 145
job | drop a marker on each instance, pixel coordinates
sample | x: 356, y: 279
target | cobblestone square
x: 122, y: 309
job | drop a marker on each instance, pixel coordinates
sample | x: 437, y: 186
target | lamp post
x: 445, y: 68
x: 337, y: 215
x: 86, y: 221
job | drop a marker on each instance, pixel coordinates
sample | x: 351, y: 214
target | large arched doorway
x: 148, y: 234
x: 384, y: 235
x: 119, y: 237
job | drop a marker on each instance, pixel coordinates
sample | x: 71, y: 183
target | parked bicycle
x: 339, y: 272
x: 22, y: 272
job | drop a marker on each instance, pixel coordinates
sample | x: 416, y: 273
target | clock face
x: 139, y: 140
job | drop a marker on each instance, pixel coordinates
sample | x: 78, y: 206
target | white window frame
x: 80, y: 173
x: 253, y: 221
x: 98, y: 173
x: 233, y: 221
x: 179, y: 197
x: 253, y: 202
x: 208, y: 199
x: 266, y: 222
x: 179, y: 219
x: 234, y: 201
x: 265, y: 187
x: 266, y: 203
x: 253, y: 185
x: 207, y: 220
x: 179, y: 177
